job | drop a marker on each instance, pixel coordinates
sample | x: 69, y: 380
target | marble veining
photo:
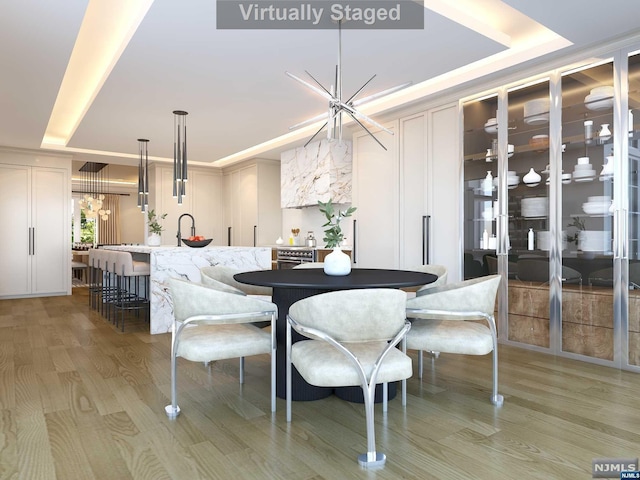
x: 184, y: 262
x: 320, y: 171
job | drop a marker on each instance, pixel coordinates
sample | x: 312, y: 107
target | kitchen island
x: 185, y: 262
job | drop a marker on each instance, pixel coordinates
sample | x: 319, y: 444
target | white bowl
x: 537, y: 119
x: 599, y: 199
x: 583, y: 167
x: 583, y: 161
x: 603, y: 90
x: 598, y: 102
x: 491, y: 126
x: 584, y: 173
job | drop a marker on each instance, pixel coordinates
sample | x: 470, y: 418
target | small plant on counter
x: 333, y: 235
x: 154, y: 222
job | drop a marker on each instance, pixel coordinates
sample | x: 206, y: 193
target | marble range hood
x: 319, y: 171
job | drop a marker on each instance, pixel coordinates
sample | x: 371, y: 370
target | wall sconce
x: 179, y: 154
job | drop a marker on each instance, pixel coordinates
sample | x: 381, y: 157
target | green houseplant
x: 333, y: 235
x: 154, y: 222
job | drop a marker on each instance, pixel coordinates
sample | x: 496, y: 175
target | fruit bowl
x: 196, y: 243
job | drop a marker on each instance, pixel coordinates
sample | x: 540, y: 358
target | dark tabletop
x: 315, y: 278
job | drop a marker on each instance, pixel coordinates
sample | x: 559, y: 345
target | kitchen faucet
x: 193, y: 227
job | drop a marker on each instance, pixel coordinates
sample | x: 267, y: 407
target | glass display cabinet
x: 552, y: 202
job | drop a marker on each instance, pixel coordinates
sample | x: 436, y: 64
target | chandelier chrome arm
x: 324, y: 94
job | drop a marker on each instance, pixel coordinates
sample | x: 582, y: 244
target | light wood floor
x: 79, y: 400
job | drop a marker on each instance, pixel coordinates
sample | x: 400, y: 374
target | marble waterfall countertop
x: 185, y: 262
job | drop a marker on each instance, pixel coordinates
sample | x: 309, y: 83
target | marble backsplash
x: 320, y: 171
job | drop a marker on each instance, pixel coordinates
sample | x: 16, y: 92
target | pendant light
x: 143, y: 175
x: 179, y: 154
x: 95, y: 186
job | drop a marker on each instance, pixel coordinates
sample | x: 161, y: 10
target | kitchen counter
x: 185, y: 262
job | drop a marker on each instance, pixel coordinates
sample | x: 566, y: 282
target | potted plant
x: 337, y: 262
x: 155, y: 229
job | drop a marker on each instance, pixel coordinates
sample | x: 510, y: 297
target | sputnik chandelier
x: 337, y: 106
x: 95, y: 184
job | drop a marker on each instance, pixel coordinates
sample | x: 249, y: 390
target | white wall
x: 132, y: 221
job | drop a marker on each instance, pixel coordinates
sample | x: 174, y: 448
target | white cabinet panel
x: 35, y: 204
x: 376, y: 198
x: 15, y: 243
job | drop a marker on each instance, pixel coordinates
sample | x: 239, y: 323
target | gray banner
x: 612, y: 467
x: 319, y: 14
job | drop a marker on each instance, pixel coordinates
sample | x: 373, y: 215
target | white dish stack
x: 534, y: 207
x: 594, y: 241
x: 543, y: 240
x: 600, y: 98
x: 583, y: 171
x: 536, y: 112
x: 597, y: 205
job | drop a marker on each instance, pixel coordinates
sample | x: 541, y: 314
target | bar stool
x: 130, y: 296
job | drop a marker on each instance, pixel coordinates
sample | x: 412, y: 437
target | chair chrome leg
x: 273, y: 366
x: 288, y: 372
x: 385, y: 397
x: 371, y: 458
x: 173, y: 410
x: 496, y: 398
x: 420, y: 364
x: 241, y: 370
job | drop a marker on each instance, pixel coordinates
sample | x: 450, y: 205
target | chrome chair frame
x: 173, y: 410
x: 496, y: 398
x: 372, y: 458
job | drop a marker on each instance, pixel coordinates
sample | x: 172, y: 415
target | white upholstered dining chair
x: 225, y: 275
x: 352, y: 338
x: 441, y: 272
x: 213, y: 324
x: 446, y: 319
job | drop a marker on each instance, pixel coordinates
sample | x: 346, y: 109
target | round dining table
x: 291, y: 285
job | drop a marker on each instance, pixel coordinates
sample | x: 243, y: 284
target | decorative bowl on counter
x: 196, y: 243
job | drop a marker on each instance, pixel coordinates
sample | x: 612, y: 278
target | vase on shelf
x: 337, y: 263
x: 605, y: 133
x: 532, y: 178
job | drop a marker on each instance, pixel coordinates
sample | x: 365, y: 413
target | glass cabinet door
x: 587, y: 213
x: 633, y: 219
x: 480, y: 196
x: 529, y: 237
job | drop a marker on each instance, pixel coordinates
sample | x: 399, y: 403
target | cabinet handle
x: 228, y: 236
x: 426, y: 234
x: 255, y: 235
x: 29, y: 235
x: 33, y: 240
x: 355, y: 259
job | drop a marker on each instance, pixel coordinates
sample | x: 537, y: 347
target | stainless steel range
x: 289, y: 257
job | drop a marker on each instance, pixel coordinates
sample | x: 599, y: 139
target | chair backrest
x: 223, y: 287
x: 191, y: 299
x: 439, y: 270
x: 537, y: 270
x: 475, y: 295
x: 310, y: 265
x: 225, y: 275
x: 360, y: 315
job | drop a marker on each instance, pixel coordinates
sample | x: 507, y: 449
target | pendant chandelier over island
x: 95, y: 185
x: 179, y: 154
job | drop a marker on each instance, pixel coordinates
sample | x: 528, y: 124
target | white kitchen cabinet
x: 252, y: 203
x: 406, y: 196
x: 35, y: 249
x: 202, y: 200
